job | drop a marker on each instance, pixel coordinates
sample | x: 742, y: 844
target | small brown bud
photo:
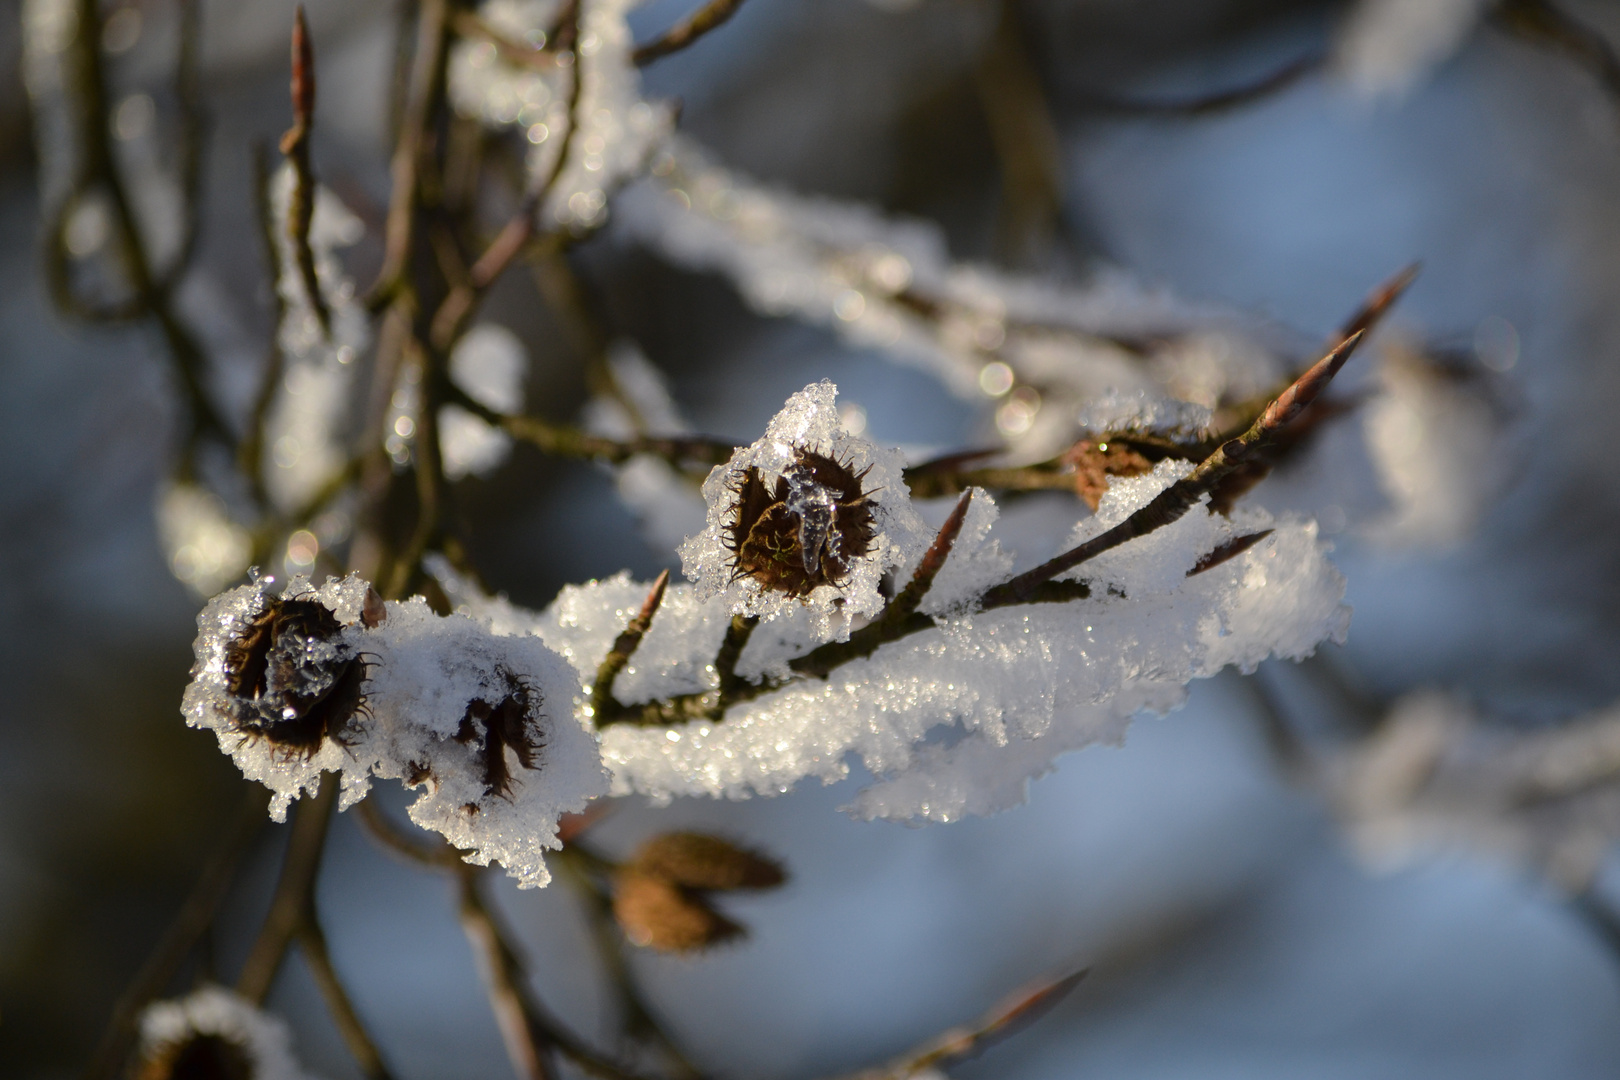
x: 198, y: 1056
x: 293, y: 679
x: 700, y: 861
x: 804, y: 530
x: 373, y: 611
x: 656, y: 913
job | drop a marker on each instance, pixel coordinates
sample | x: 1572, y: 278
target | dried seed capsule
x: 699, y: 861
x: 292, y: 679
x: 656, y: 913
x: 1096, y: 459
x: 512, y: 723
x: 197, y: 1057
x: 803, y: 530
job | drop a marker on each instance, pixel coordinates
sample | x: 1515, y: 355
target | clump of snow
x: 614, y: 129
x: 809, y: 421
x: 1387, y: 47
x: 1435, y: 438
x: 207, y: 548
x: 1116, y: 413
x: 264, y: 1041
x: 489, y: 364
x: 306, y: 430
x: 419, y: 723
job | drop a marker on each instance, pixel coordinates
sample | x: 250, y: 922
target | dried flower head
x: 213, y: 1034
x: 656, y: 913
x: 294, y: 681
x: 805, y: 529
x: 700, y: 861
x: 810, y: 516
x: 510, y: 723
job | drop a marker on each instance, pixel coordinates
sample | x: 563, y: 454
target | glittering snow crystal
x: 305, y: 431
x: 809, y: 513
x: 489, y: 364
x: 212, y: 1032
x: 332, y: 680
x: 600, y: 139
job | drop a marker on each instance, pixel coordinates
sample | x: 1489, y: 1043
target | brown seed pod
x: 803, y: 531
x: 512, y: 723
x: 197, y: 1057
x: 700, y: 861
x: 293, y: 679
x: 656, y: 913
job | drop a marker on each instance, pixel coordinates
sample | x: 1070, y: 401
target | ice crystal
x: 585, y: 148
x: 184, y: 1036
x: 305, y: 431
x: 808, y: 515
x: 484, y: 724
x: 488, y: 363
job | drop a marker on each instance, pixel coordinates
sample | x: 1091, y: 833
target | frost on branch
x: 957, y: 716
x: 332, y: 680
x: 601, y: 139
x: 306, y: 425
x: 1436, y: 776
x: 808, y: 515
x: 1044, y: 349
x: 214, y: 1033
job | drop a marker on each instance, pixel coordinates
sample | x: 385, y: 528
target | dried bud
x: 700, y: 861
x: 1096, y: 459
x: 373, y: 611
x: 197, y: 1057
x: 213, y: 1034
x: 292, y: 679
x: 803, y: 531
x: 509, y: 723
x: 656, y: 913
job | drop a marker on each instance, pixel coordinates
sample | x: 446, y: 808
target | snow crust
x: 423, y: 671
x: 265, y: 1040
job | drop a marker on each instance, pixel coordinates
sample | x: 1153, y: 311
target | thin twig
x: 295, y: 147
x: 725, y: 662
x: 1171, y: 503
x: 687, y: 31
x: 1024, y: 1008
x: 189, y: 925
x: 193, y: 136
x: 250, y: 451
x: 1271, y: 83
x: 624, y: 647
x: 362, y: 1047
x: 299, y: 869
x: 531, y: 1032
x: 1545, y: 23
x: 388, y: 836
